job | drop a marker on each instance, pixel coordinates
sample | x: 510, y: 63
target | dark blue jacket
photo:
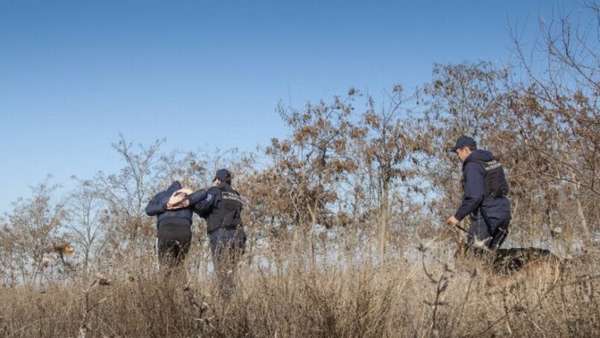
x: 158, y: 207
x: 474, y: 202
x: 221, y: 206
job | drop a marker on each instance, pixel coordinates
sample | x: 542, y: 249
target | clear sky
x: 202, y: 74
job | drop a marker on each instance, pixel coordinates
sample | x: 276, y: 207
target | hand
x: 452, y: 221
x: 186, y: 191
x: 179, y: 199
x: 180, y: 205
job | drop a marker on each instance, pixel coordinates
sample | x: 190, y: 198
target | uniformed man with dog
x: 485, y: 200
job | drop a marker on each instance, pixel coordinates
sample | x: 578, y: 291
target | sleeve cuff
x: 459, y: 216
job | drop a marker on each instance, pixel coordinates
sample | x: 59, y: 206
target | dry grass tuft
x: 298, y: 298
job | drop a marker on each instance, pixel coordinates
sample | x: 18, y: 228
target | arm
x: 474, y: 190
x: 158, y: 204
x: 205, y: 205
x: 197, y: 196
x: 186, y: 200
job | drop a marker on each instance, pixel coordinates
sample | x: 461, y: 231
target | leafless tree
x: 88, y: 221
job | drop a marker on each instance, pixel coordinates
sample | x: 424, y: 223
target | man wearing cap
x: 485, y: 189
x: 222, y: 208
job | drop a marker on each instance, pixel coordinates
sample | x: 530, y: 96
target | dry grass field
x: 292, y: 297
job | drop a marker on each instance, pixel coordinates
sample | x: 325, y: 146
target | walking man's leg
x: 500, y: 234
x: 227, y: 249
x: 173, y: 245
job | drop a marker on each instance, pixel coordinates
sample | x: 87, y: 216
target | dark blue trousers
x: 486, y: 232
x: 173, y: 244
x: 227, y: 247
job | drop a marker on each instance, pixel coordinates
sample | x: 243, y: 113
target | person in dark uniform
x: 173, y: 210
x: 485, y: 196
x: 222, y: 206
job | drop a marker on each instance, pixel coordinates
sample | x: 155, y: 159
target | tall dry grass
x: 289, y: 293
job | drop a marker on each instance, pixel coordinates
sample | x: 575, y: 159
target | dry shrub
x: 300, y: 298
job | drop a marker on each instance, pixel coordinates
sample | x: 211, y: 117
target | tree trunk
x: 383, y: 220
x: 587, y: 240
x: 584, y: 224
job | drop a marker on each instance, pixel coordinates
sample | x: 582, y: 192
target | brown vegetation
x: 344, y: 220
x: 298, y: 298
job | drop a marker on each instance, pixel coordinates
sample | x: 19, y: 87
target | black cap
x: 464, y: 141
x: 223, y: 175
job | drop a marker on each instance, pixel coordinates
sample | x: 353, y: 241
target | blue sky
x: 203, y: 74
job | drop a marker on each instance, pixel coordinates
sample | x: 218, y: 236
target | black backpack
x: 496, y: 184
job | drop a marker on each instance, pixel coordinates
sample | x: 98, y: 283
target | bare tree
x: 388, y: 143
x: 33, y: 226
x: 88, y: 219
x: 126, y: 194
